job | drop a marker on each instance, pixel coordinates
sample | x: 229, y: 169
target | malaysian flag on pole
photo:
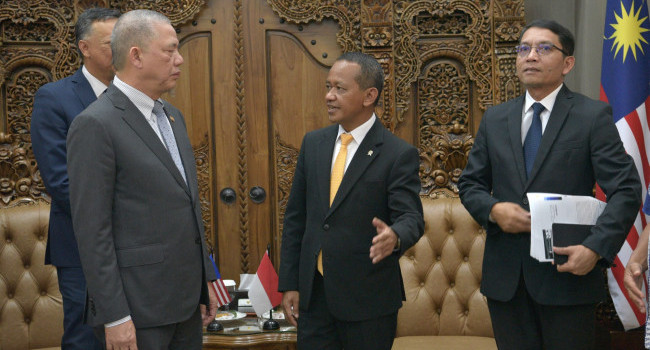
x: 625, y: 85
x: 220, y: 290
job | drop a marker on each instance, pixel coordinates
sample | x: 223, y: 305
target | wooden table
x: 233, y: 337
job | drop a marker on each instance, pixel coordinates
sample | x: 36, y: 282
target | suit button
x: 197, y: 240
x: 326, y: 227
x: 525, y: 201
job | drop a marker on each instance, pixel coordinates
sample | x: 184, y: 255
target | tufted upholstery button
x: 326, y: 227
x: 451, y: 240
x: 30, y: 302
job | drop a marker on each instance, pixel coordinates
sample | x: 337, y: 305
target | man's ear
x: 83, y: 47
x: 370, y: 96
x: 569, y: 62
x: 135, y: 56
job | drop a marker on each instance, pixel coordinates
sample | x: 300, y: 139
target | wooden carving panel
x: 19, y: 180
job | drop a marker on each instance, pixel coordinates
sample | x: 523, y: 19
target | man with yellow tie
x: 354, y: 208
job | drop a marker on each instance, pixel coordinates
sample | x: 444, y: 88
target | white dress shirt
x: 358, y: 135
x: 527, y: 114
x: 96, y: 84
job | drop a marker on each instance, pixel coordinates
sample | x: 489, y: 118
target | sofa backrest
x: 31, y: 308
x: 442, y: 275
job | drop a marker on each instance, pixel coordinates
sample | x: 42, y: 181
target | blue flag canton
x: 625, y: 75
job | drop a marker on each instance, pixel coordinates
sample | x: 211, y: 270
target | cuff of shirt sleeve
x: 118, y: 322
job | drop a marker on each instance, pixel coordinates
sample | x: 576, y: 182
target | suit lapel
x: 138, y: 123
x: 553, y: 126
x: 514, y: 130
x: 368, y: 150
x: 81, y: 87
x: 324, y: 164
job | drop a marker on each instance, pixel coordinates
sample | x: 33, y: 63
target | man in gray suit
x: 135, y: 201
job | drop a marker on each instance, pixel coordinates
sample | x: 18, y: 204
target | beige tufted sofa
x: 31, y: 309
x: 444, y: 308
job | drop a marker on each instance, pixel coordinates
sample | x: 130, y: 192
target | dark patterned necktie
x: 533, y: 138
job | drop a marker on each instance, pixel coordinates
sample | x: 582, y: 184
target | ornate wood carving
x: 20, y: 180
x: 202, y: 158
x: 242, y: 149
x: 177, y: 11
x: 346, y: 12
x: 286, y: 158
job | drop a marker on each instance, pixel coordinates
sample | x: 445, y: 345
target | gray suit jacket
x: 137, y: 223
x: 580, y: 147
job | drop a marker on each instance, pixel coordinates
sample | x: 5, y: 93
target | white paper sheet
x: 549, y: 208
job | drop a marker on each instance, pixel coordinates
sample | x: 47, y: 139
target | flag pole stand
x: 270, y: 324
x: 214, y: 326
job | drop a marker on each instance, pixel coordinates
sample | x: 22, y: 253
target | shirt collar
x: 96, y: 84
x: 360, y: 132
x: 548, y: 102
x: 141, y: 101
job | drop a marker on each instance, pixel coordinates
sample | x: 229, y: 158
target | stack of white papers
x: 549, y: 208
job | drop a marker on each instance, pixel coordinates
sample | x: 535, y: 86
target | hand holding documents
x: 550, y: 212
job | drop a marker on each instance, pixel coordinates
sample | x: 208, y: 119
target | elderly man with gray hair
x: 135, y: 201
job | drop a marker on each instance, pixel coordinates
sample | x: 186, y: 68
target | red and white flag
x: 263, y: 292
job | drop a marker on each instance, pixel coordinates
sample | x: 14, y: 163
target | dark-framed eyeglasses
x: 541, y: 49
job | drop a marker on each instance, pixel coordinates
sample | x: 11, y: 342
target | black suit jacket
x: 55, y: 107
x: 381, y: 180
x: 580, y: 147
x: 137, y: 222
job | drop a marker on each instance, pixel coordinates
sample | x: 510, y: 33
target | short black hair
x: 566, y: 37
x: 90, y: 16
x: 372, y: 75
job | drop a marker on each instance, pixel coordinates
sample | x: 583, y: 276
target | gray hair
x: 134, y: 28
x: 86, y: 19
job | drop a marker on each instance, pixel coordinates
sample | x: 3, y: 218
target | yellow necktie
x: 335, y: 181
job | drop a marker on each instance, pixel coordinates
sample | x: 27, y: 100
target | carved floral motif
x: 286, y: 158
x: 345, y: 12
x: 20, y: 180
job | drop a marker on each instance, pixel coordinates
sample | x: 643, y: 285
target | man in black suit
x: 135, y: 200
x: 55, y: 106
x: 341, y: 245
x: 537, y: 305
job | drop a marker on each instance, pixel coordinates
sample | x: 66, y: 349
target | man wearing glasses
x: 549, y: 140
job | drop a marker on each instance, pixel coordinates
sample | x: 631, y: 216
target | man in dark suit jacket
x: 135, y: 200
x: 55, y: 106
x: 359, y: 230
x: 537, y: 305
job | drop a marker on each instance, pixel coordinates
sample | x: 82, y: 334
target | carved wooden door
x: 252, y: 86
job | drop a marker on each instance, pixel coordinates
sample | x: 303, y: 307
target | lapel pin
x: 370, y: 153
x: 171, y: 118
